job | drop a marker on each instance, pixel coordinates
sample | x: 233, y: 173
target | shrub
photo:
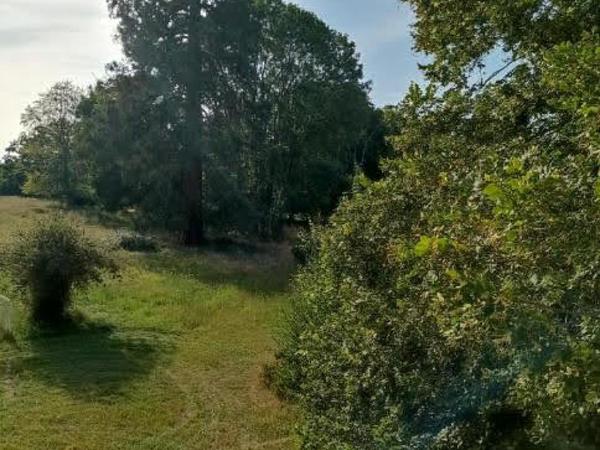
x: 423, y: 329
x: 304, y: 246
x: 454, y: 304
x: 51, y: 259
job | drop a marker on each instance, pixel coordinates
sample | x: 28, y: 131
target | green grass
x: 168, y: 356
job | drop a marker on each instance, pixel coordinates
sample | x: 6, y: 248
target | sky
x: 45, y: 41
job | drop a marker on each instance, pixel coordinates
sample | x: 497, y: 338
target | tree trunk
x: 193, y: 178
x: 193, y: 186
x: 67, y: 191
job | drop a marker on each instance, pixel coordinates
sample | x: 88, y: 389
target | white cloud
x: 45, y: 41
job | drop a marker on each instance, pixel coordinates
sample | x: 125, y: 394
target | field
x: 168, y: 356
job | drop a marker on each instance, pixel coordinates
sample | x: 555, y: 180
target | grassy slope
x: 171, y: 357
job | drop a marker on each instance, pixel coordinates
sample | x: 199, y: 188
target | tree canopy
x: 235, y: 116
x: 47, y: 145
x: 264, y: 105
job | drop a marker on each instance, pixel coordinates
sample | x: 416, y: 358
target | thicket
x: 454, y: 303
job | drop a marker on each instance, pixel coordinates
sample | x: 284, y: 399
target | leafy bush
x: 50, y: 260
x: 447, y: 328
x: 305, y: 246
x: 136, y: 242
x: 454, y: 304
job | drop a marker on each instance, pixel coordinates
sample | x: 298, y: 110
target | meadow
x: 169, y: 355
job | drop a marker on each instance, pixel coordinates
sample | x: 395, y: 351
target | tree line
x: 235, y: 116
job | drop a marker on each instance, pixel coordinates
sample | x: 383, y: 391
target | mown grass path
x: 169, y: 356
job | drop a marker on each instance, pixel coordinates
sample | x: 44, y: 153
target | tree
x: 185, y: 47
x: 460, y: 35
x: 47, y: 145
x: 257, y: 99
x: 307, y: 116
x: 452, y: 304
x: 12, y: 173
x: 125, y: 138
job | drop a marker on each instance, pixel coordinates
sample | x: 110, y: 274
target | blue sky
x: 381, y: 30
x: 45, y: 41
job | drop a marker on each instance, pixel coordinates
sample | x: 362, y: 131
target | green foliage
x: 577, y: 90
x: 47, y: 147
x: 50, y: 260
x: 120, y: 135
x: 461, y: 34
x: 453, y: 304
x: 305, y: 245
x: 12, y: 173
x: 245, y: 114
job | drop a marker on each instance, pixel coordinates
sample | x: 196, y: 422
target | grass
x: 168, y: 356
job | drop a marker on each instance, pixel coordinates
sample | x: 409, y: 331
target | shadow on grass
x: 258, y: 271
x: 93, y: 361
x: 101, y: 217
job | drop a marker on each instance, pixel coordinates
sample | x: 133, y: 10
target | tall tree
x: 307, y: 112
x: 265, y: 106
x: 48, y: 142
x: 186, y: 48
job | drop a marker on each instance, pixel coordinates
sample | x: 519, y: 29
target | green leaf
x: 424, y: 246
